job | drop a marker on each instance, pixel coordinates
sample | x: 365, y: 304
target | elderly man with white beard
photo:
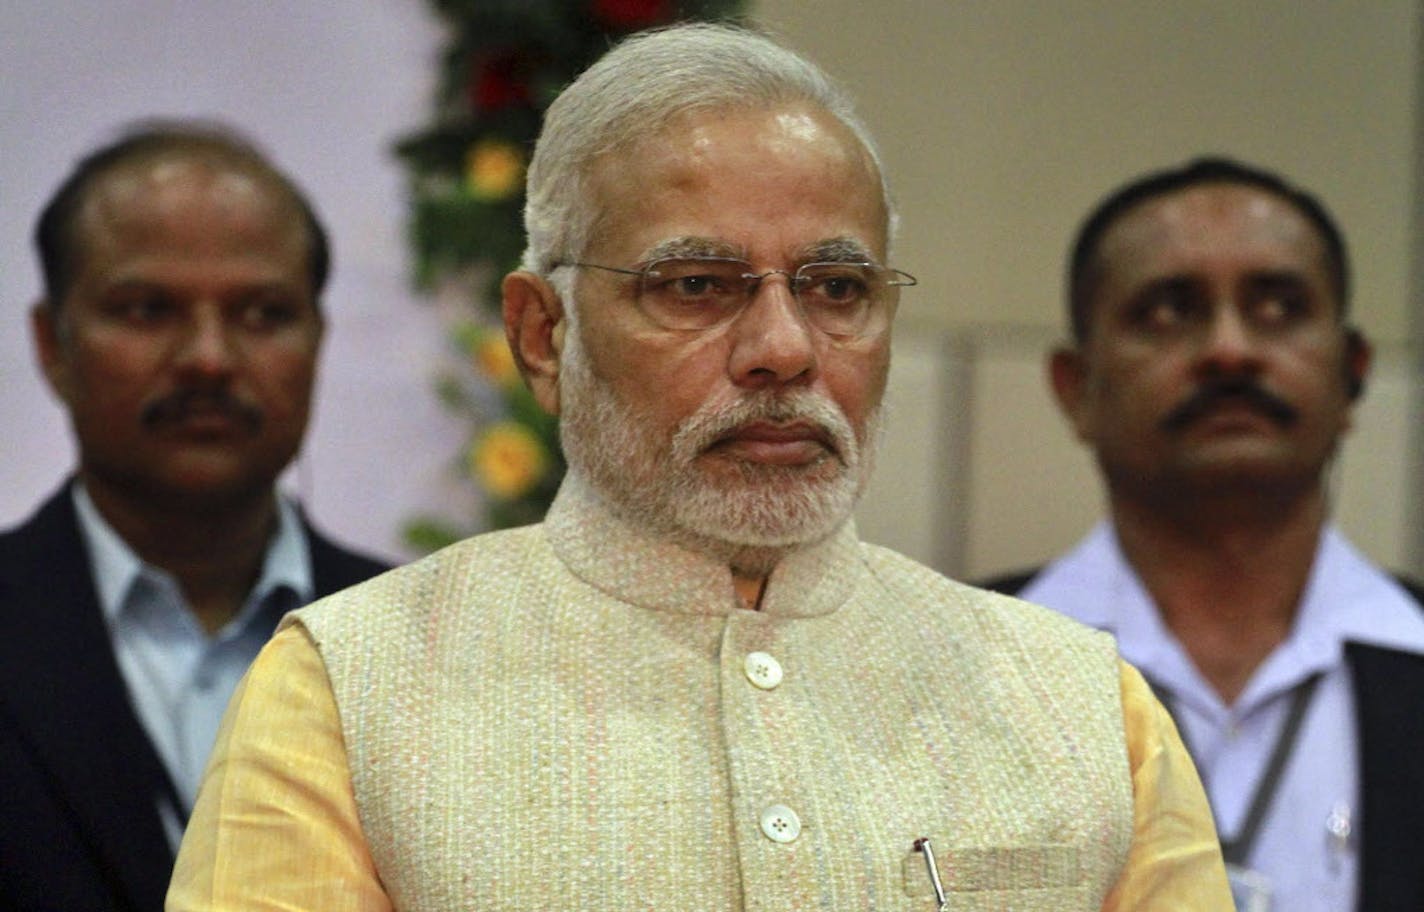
x: 692, y: 686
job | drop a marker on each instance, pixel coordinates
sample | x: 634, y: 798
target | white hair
x: 643, y: 83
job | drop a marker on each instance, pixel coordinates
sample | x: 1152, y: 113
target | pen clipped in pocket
x: 993, y: 868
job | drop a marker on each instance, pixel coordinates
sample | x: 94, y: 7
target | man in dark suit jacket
x: 1213, y: 372
x: 179, y: 328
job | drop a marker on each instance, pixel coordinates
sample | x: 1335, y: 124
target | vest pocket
x: 1046, y: 868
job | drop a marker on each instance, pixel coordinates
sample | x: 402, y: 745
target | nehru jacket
x: 577, y: 715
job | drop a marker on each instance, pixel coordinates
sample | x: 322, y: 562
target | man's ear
x: 534, y: 324
x: 1068, y: 376
x: 45, y: 333
x: 1358, y: 357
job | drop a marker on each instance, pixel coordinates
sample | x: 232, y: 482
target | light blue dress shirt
x: 179, y: 677
x: 1346, y: 599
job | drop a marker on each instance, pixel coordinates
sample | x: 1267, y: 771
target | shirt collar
x: 1346, y: 599
x: 116, y: 568
x: 1349, y: 599
x: 1092, y: 583
x: 1095, y: 584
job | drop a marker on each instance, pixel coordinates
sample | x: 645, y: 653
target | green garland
x: 505, y: 61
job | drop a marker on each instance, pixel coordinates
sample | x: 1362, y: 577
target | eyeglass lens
x: 841, y: 299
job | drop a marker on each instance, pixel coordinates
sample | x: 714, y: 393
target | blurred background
x: 1001, y: 122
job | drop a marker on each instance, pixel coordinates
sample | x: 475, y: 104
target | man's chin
x: 1240, y: 470
x: 732, y: 472
x: 767, y: 507
x: 740, y: 546
x: 197, y: 481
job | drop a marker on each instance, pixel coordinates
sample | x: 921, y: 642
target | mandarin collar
x: 630, y: 564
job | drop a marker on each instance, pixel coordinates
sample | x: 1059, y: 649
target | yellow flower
x: 494, y: 169
x: 493, y: 358
x: 508, y: 459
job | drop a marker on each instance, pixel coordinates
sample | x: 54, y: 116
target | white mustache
x: 711, y: 423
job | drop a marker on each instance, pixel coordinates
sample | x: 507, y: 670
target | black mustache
x: 178, y: 405
x: 1208, y: 395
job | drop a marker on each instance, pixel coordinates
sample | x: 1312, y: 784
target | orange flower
x: 493, y: 358
x: 494, y: 169
x: 508, y: 460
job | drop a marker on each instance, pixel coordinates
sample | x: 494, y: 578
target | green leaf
x: 426, y: 535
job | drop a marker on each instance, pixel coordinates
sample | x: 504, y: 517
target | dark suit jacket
x: 79, y: 779
x: 1389, y: 704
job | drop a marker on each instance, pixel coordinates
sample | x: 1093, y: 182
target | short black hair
x: 1207, y: 170
x: 56, y: 235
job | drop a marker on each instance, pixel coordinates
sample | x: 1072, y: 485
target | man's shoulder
x: 996, y: 641
x: 987, y: 609
x: 54, y: 514
x: 46, y: 544
x: 1089, y: 563
x: 459, y: 571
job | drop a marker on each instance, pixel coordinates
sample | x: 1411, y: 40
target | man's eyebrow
x: 1176, y: 285
x: 1176, y: 281
x: 1278, y: 278
x: 693, y: 246
x: 830, y: 250
x: 836, y: 250
x: 257, y: 285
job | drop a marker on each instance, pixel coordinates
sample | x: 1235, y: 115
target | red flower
x: 501, y: 80
x: 630, y: 15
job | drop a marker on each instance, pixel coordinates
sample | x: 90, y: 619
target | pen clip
x: 922, y: 845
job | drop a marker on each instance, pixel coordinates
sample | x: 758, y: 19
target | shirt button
x: 762, y: 670
x: 780, y: 824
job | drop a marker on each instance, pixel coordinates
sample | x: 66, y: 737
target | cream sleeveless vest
x: 571, y: 716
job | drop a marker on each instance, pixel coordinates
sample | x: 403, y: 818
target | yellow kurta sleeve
x: 275, y: 826
x: 1175, y: 862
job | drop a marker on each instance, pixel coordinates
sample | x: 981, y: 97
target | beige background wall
x: 1002, y: 122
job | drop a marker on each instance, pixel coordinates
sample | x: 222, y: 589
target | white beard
x: 748, y: 513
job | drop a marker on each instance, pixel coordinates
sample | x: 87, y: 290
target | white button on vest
x: 762, y: 670
x: 780, y: 823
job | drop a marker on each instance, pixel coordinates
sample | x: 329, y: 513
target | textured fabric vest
x: 565, y: 717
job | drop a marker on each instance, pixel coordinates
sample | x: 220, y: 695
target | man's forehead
x: 142, y: 200
x: 720, y: 148
x: 166, y: 180
x: 1218, y: 223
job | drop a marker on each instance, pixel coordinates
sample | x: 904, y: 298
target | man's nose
x: 206, y: 345
x: 1229, y: 344
x: 772, y: 341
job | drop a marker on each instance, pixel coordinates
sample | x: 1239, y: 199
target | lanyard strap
x: 1236, y: 851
